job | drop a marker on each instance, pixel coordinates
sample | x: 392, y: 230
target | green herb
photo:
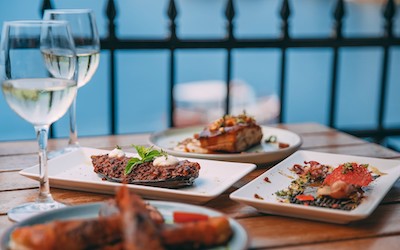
x: 118, y: 147
x: 145, y: 154
x: 271, y: 139
x: 364, y: 165
x: 347, y: 167
x: 282, y: 193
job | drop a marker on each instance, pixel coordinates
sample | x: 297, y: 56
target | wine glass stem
x: 44, y: 188
x: 73, y: 133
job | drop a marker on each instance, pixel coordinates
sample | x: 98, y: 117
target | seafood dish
x: 321, y: 185
x: 127, y: 222
x: 152, y: 168
x: 229, y: 134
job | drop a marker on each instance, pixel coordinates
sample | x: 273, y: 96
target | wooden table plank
x: 369, y: 150
x: 329, y: 139
x: 109, y: 141
x: 14, y: 198
x: 304, y: 128
x: 18, y: 162
x: 276, y: 231
x: 14, y: 181
x: 386, y: 242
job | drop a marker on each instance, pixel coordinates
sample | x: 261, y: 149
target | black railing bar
x: 383, y: 92
x: 388, y: 13
x: 228, y: 80
x: 230, y: 15
x: 113, y: 123
x: 111, y: 13
x: 282, y: 86
x: 172, y: 14
x: 284, y: 14
x: 249, y: 43
x: 333, y: 92
x: 374, y: 133
x: 171, y: 107
x: 337, y: 34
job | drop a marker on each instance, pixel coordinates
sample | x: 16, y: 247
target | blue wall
x: 142, y: 76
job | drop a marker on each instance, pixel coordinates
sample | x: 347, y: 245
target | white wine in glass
x: 87, y: 43
x: 34, y: 92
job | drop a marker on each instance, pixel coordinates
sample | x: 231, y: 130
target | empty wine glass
x: 87, y: 43
x: 38, y: 80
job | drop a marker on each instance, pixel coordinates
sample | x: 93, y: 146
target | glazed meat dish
x: 183, y: 173
x: 125, y: 223
x: 231, y: 134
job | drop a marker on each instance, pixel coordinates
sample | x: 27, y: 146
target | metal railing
x: 335, y: 41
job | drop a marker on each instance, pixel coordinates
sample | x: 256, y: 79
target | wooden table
x: 380, y: 231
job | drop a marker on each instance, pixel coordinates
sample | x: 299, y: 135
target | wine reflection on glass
x: 34, y: 91
x: 87, y: 43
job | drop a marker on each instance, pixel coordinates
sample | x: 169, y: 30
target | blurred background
x: 141, y: 80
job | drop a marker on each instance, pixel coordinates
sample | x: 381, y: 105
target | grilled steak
x: 112, y: 168
x: 231, y: 134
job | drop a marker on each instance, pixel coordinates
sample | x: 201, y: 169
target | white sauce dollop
x: 163, y: 161
x: 116, y: 153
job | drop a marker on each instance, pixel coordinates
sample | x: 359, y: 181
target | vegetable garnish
x: 183, y: 217
x: 145, y: 154
x: 303, y: 197
x: 271, y: 139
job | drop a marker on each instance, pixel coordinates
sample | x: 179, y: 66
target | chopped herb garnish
x: 347, y: 167
x: 145, y: 154
x: 271, y: 139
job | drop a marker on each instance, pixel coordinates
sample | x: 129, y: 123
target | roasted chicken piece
x: 231, y: 134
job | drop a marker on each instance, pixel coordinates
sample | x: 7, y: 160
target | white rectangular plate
x: 74, y: 171
x: 280, y: 177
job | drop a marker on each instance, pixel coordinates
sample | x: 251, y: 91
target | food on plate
x: 321, y: 185
x: 152, y: 167
x: 124, y: 223
x: 229, y: 134
x: 206, y: 233
x: 273, y: 139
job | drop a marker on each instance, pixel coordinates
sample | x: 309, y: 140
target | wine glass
x: 87, y: 43
x: 38, y: 80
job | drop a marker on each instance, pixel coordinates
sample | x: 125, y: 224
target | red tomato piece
x: 182, y: 217
x: 303, y: 197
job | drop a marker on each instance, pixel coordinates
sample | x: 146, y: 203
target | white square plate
x: 74, y: 171
x: 280, y: 177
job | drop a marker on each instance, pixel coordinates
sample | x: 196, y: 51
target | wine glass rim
x: 35, y: 22
x: 68, y: 11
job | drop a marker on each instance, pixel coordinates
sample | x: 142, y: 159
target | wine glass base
x: 68, y: 149
x: 27, y: 210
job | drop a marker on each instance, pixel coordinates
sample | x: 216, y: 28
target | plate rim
x: 95, y: 206
x: 231, y: 156
x: 348, y: 216
x: 188, y: 196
